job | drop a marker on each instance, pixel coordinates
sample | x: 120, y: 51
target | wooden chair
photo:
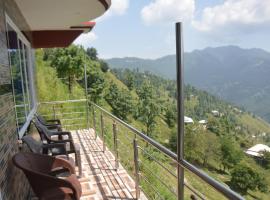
x: 38, y: 168
x: 47, y: 136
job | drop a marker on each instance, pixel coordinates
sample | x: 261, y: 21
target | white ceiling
x: 59, y: 14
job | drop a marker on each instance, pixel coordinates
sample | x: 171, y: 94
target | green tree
x: 104, y: 66
x: 92, y: 53
x: 170, y: 115
x: 120, y: 101
x: 69, y: 63
x: 266, y: 159
x: 130, y: 80
x: 96, y: 85
x: 210, y: 147
x: 147, y: 108
x: 173, y: 141
x: 231, y: 154
x: 245, y: 178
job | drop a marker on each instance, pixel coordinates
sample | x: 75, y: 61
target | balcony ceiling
x: 60, y: 14
x: 57, y: 23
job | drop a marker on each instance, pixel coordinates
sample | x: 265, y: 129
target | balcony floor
x: 100, y: 180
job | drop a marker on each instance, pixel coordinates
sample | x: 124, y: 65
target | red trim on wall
x: 54, y: 38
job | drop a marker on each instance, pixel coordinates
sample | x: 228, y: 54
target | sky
x: 146, y: 28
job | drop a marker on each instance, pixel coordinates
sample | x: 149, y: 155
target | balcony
x: 120, y: 162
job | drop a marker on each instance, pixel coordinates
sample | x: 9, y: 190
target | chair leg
x: 78, y: 161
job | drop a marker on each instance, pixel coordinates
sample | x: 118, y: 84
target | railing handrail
x: 227, y: 192
x: 64, y: 101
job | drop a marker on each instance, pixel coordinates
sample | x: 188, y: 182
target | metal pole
x: 102, y: 130
x: 180, y: 108
x: 136, y: 166
x: 54, y: 114
x: 86, y: 94
x: 94, y: 122
x: 115, y: 144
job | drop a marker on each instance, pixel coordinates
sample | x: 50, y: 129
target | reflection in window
x: 18, y: 53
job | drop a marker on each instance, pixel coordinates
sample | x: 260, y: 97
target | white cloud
x: 235, y: 16
x: 118, y: 7
x: 86, y: 39
x: 164, y: 11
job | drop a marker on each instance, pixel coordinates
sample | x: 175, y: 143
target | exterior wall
x: 13, y: 184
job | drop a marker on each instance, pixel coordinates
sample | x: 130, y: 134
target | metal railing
x: 72, y: 113
x: 152, y: 166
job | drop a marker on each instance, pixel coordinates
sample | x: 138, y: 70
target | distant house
x: 203, y: 121
x: 188, y: 120
x: 257, y: 150
x: 215, y: 113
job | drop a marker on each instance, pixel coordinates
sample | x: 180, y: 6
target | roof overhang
x: 57, y: 23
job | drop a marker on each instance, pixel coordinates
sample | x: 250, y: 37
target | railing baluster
x: 94, y: 122
x: 102, y: 130
x: 54, y: 114
x: 115, y: 144
x: 136, y: 165
x: 87, y: 115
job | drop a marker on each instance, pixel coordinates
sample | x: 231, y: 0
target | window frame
x: 27, y: 65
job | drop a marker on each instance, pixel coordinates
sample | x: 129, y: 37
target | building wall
x: 13, y: 184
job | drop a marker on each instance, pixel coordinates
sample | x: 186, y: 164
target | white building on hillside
x: 188, y: 120
x: 215, y: 112
x: 257, y: 150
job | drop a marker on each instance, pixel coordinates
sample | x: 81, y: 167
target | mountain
x: 240, y: 76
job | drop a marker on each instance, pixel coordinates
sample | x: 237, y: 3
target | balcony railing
x: 152, y: 166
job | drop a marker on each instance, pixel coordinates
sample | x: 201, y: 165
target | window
x: 21, y: 73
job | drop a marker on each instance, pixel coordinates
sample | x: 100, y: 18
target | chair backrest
x: 37, y: 169
x: 33, y: 145
x: 43, y: 131
x: 41, y: 119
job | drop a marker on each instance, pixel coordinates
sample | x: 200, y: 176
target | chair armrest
x: 61, y: 141
x: 59, y: 133
x: 53, y: 126
x: 56, y: 121
x: 60, y: 162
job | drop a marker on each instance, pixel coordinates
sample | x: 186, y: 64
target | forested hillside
x: 237, y: 75
x: 148, y: 102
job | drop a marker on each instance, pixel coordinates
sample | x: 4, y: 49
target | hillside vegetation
x: 148, y: 102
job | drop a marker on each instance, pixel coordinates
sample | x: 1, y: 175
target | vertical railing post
x: 54, y: 114
x: 86, y: 94
x: 136, y: 166
x: 180, y: 110
x: 102, y: 130
x: 87, y: 114
x: 115, y: 144
x: 94, y: 122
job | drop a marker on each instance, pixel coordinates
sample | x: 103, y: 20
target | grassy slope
x: 49, y: 87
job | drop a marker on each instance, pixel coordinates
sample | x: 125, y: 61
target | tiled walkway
x: 100, y: 180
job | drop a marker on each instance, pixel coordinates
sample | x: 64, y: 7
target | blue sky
x: 145, y: 28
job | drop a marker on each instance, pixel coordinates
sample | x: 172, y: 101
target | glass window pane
x: 24, y: 77
x: 16, y: 71
x: 28, y: 75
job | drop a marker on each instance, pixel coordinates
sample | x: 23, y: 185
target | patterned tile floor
x: 100, y: 180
